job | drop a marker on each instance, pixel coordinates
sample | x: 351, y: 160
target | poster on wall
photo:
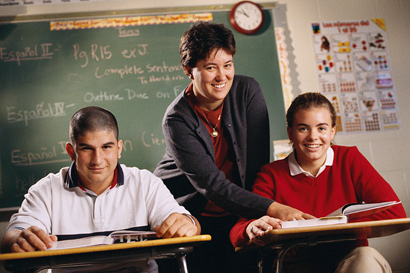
x: 354, y: 73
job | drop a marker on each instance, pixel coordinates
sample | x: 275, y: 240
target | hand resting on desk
x: 178, y: 225
x: 257, y: 228
x: 34, y: 238
x: 30, y: 239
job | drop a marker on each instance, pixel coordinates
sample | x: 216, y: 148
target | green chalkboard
x: 133, y: 71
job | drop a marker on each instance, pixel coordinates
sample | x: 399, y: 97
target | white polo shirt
x: 59, y: 206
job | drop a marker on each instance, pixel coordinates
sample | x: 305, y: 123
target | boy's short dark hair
x: 92, y: 118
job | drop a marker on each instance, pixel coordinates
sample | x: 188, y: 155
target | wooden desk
x: 151, y: 249
x: 283, y: 240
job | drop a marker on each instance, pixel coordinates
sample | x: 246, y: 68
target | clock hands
x: 244, y: 13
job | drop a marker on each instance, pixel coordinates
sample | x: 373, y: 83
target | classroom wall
x: 389, y: 152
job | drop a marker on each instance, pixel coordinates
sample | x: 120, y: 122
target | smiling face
x: 212, y: 78
x: 311, y: 134
x: 96, y: 154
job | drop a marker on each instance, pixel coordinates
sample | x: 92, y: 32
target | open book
x: 328, y: 220
x: 359, y: 210
x: 121, y: 236
x: 342, y: 215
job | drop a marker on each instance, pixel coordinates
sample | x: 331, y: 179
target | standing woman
x: 217, y: 136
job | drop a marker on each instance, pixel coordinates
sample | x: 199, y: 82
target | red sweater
x: 351, y: 179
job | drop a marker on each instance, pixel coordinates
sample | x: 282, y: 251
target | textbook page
x: 121, y: 236
x: 358, y: 210
x: 83, y: 242
x: 315, y: 222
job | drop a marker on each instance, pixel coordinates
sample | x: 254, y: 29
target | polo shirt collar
x: 296, y: 169
x: 71, y: 179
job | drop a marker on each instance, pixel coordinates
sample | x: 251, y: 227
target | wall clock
x: 246, y: 17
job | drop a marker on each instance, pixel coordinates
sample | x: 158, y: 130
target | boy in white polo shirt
x: 96, y: 195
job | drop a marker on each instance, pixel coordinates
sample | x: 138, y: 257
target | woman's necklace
x: 214, y: 132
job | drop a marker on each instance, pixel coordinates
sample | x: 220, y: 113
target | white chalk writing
x: 134, y: 95
x: 45, y: 155
x: 125, y: 70
x: 151, y: 68
x: 127, y: 143
x: 152, y: 140
x: 29, y: 53
x: 97, y: 53
x: 132, y: 53
x: 128, y: 32
x: 102, y: 96
x: 41, y: 110
x: 24, y: 182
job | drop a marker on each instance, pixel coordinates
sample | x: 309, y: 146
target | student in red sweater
x: 317, y: 179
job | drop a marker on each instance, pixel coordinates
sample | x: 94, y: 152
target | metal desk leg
x: 183, y: 267
x: 311, y: 241
x: 265, y: 263
x: 268, y: 255
x: 281, y: 255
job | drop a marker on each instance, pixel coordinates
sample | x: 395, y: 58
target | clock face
x: 246, y: 17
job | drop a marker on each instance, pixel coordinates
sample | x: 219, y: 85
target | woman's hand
x: 286, y: 213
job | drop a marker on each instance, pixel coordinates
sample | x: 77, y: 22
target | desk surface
x: 370, y: 229
x: 121, y: 246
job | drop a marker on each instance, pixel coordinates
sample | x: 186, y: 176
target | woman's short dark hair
x: 201, y: 39
x: 91, y: 119
x: 307, y: 101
